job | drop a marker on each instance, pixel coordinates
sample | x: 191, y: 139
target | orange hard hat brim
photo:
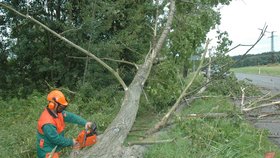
x: 62, y: 101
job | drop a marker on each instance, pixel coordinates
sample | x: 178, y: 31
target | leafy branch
x: 70, y: 43
x: 165, y: 119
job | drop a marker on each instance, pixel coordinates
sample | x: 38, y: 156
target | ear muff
x: 51, y: 105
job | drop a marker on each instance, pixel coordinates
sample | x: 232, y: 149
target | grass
x: 272, y: 70
x: 18, y: 127
x: 230, y: 137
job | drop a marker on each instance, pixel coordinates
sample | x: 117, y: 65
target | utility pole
x: 272, y: 40
x: 273, y: 57
x: 273, y: 60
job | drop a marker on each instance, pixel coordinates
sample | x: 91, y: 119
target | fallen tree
x: 115, y: 134
x: 110, y: 144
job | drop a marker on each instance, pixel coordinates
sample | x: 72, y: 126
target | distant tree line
x: 257, y: 59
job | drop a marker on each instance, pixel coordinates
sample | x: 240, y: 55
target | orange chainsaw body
x: 86, y: 138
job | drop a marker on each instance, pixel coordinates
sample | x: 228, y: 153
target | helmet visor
x: 60, y: 108
x: 62, y: 101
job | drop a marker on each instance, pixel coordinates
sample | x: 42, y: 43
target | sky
x: 242, y: 19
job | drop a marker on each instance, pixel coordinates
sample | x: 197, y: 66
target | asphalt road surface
x: 267, y: 82
x: 271, y: 123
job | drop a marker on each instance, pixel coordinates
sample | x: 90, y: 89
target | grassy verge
x: 200, y: 137
x: 272, y: 70
x: 230, y: 137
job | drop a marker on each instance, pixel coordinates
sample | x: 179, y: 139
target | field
x: 272, y: 70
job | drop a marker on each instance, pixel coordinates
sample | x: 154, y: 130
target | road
x: 267, y: 82
x: 271, y: 123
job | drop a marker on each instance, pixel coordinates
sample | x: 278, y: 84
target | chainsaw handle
x: 94, y: 127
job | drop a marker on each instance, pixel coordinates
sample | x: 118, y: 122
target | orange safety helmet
x: 56, y: 96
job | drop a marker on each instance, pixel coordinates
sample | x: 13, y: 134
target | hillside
x: 257, y: 59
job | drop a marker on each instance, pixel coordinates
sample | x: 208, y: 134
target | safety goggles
x: 61, y: 107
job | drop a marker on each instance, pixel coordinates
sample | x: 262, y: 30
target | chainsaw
x: 87, y: 137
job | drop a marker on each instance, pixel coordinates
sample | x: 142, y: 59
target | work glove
x: 76, y: 144
x: 88, y: 125
x: 91, y: 125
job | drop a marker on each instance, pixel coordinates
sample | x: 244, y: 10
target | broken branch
x: 165, y: 119
x: 261, y: 106
x: 150, y: 142
x: 206, y: 115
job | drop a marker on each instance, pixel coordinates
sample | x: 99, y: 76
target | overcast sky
x: 242, y: 20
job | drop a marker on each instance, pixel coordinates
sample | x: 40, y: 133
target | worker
x: 50, y: 128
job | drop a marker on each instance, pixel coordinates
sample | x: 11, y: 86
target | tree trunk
x: 115, y: 134
x: 111, y: 142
